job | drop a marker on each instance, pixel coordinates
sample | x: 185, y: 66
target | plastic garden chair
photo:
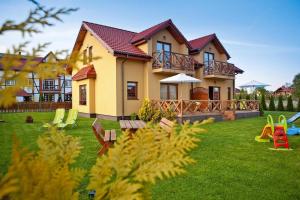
x: 59, y: 116
x: 71, y: 119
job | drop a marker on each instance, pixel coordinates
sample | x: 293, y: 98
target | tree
x: 37, y: 18
x: 290, y: 106
x: 248, y: 97
x: 296, y: 85
x: 263, y: 104
x: 271, y: 104
x: 280, y: 106
x: 255, y: 96
x: 298, y: 106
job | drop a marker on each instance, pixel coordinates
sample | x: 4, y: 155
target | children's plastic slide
x: 267, y: 131
x: 293, y: 130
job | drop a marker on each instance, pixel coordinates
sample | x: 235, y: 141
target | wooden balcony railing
x: 173, y: 61
x: 51, y: 87
x: 218, y: 68
x: 189, y: 107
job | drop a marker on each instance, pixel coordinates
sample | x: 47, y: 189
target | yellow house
x: 130, y: 66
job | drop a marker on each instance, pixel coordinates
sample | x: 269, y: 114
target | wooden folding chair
x: 166, y: 124
x: 105, y: 137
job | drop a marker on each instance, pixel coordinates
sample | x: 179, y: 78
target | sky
x: 262, y: 36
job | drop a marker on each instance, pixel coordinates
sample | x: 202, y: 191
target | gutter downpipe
x: 122, y: 81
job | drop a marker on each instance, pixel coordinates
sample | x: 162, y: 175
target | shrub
x: 263, y: 102
x: 272, y: 104
x: 298, y: 106
x: 146, y: 111
x: 138, y: 161
x: 261, y: 111
x: 280, y: 106
x: 255, y: 96
x: 290, y: 106
x: 248, y: 97
x: 157, y: 116
x: 133, y: 116
x: 46, y: 174
x: 169, y: 114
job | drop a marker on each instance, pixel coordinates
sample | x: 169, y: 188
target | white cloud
x: 287, y: 49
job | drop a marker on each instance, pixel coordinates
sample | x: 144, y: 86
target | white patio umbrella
x: 180, y: 78
x: 252, y: 85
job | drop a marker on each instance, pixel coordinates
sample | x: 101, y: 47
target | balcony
x: 170, y: 62
x: 218, y: 70
x: 51, y: 88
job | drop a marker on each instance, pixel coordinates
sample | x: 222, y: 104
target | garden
x: 230, y: 164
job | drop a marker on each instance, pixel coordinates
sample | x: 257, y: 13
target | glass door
x: 165, y: 56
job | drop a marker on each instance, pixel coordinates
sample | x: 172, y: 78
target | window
x: 84, y: 57
x: 48, y: 97
x: 168, y: 91
x: 68, y: 97
x: 82, y: 95
x: 68, y: 83
x: 132, y: 90
x: 90, y: 54
x: 48, y: 85
x: 208, y: 58
x: 30, y: 82
x: 165, y: 49
x: 228, y: 93
x: 10, y: 82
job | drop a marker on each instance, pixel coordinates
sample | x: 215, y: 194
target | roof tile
x: 84, y: 73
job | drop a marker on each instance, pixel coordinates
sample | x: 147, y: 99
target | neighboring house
x: 131, y: 65
x: 285, y: 90
x: 59, y: 89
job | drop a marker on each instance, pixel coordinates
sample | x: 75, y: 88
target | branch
x: 40, y: 16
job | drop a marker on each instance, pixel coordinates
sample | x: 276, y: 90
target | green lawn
x: 230, y: 164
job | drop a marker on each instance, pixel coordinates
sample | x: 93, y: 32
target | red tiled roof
x: 238, y: 70
x: 84, y: 73
x: 22, y: 93
x: 117, y: 40
x: 148, y: 33
x: 200, y: 43
x: 20, y: 61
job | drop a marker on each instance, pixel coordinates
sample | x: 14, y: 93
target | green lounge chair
x: 71, y: 120
x: 59, y: 116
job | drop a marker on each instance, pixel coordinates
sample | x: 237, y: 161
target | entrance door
x: 214, y: 93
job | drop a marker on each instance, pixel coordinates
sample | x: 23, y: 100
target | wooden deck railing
x: 218, y: 68
x: 171, y: 60
x: 36, y: 106
x: 188, y: 107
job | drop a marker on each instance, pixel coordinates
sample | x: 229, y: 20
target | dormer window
x: 90, y: 54
x: 84, y: 57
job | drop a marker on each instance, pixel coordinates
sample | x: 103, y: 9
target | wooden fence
x: 190, y: 107
x: 35, y: 106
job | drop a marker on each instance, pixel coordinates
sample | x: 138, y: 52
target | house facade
x: 37, y: 89
x: 130, y: 65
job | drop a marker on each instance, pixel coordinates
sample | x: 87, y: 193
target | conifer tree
x: 272, y: 104
x: 290, y: 106
x: 280, y: 106
x: 263, y: 102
